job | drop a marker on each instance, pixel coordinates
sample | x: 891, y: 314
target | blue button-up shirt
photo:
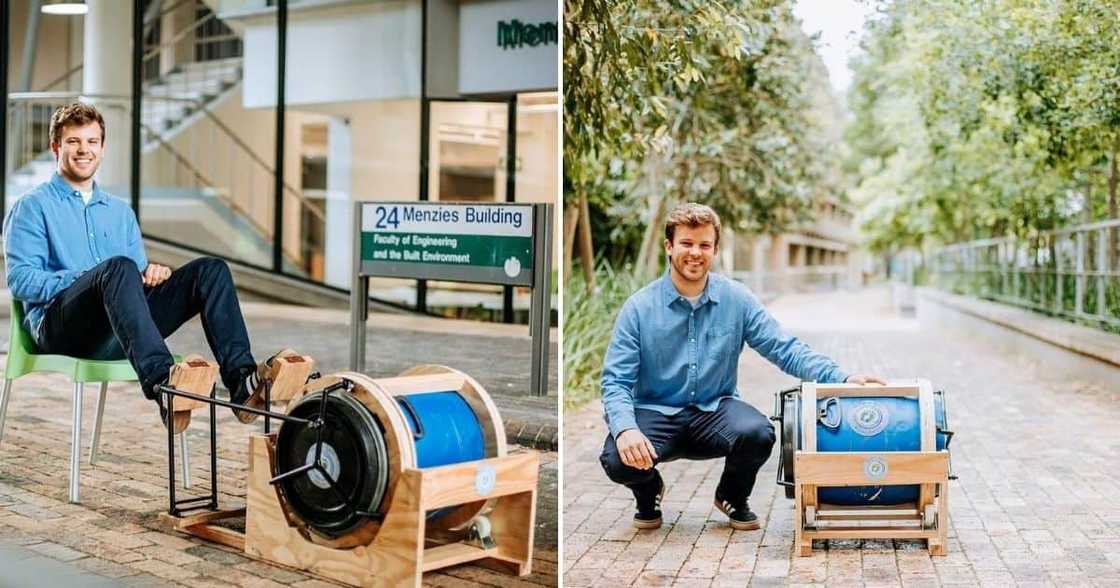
x: 51, y: 236
x: 666, y: 355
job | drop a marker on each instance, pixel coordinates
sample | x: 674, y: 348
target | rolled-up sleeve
x: 26, y: 251
x: 620, y: 371
x: 765, y: 335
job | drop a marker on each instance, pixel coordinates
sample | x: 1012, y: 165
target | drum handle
x: 822, y: 413
x: 418, y: 434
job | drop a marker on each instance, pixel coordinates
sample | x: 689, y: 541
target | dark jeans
x: 108, y: 313
x: 736, y: 431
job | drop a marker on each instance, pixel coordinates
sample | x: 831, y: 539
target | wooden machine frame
x: 399, y: 546
x: 928, y: 468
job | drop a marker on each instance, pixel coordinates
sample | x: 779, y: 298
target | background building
x: 380, y: 100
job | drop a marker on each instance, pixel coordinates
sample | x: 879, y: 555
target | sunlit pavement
x: 1036, y: 451
x: 113, y: 537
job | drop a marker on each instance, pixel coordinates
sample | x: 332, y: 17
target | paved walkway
x: 1036, y: 452
x: 113, y: 537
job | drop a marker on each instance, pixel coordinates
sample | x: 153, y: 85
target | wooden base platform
x: 401, y: 551
x: 926, y: 519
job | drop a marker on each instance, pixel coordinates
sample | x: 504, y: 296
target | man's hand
x: 865, y: 379
x: 156, y: 274
x: 635, y: 450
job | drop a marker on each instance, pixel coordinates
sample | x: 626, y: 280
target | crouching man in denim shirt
x: 75, y: 259
x: 669, y: 378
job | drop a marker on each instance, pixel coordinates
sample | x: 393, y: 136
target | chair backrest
x: 21, y: 341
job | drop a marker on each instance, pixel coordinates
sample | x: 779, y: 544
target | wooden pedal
x: 288, y: 371
x: 197, y: 376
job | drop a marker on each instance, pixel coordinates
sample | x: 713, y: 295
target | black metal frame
x: 210, y: 501
x: 5, y: 13
x: 178, y: 507
x: 137, y: 96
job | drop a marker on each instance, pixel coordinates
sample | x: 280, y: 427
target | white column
x: 340, y: 204
x: 108, y: 71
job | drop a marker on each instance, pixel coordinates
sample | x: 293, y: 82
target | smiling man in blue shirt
x: 669, y: 378
x: 75, y: 260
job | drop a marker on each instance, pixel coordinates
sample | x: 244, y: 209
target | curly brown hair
x: 691, y: 214
x: 74, y: 114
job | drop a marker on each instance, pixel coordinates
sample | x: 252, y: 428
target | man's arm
x: 26, y: 251
x: 765, y: 335
x: 620, y: 371
x: 620, y: 374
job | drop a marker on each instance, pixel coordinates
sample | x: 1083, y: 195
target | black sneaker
x: 738, y: 513
x: 649, y: 507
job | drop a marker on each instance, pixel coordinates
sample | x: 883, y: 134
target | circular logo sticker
x: 484, y: 480
x: 868, y: 418
x: 875, y: 468
x: 512, y: 267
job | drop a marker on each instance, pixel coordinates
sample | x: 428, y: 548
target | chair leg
x: 185, y: 459
x: 76, y: 443
x: 95, y: 441
x: 7, y: 393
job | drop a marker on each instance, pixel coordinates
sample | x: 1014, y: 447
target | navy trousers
x: 735, y: 431
x: 108, y: 313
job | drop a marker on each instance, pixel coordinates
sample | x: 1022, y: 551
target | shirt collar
x: 669, y: 292
x: 64, y: 190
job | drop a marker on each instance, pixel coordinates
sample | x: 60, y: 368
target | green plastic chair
x: 24, y: 358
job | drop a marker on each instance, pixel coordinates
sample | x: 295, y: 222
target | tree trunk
x: 571, y: 221
x: 1114, y: 233
x: 648, y: 249
x: 1112, y: 181
x: 586, y: 252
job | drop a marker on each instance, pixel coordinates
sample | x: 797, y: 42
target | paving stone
x: 56, y: 551
x: 1032, y: 503
x: 116, y: 532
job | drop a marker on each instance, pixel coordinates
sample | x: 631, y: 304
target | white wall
x: 356, y: 53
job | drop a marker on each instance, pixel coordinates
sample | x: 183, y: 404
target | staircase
x: 203, y: 185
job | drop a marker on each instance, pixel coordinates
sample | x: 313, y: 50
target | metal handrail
x: 1046, y: 272
x: 199, y: 107
x: 217, y: 190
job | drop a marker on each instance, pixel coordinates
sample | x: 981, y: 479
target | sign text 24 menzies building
x: 487, y: 243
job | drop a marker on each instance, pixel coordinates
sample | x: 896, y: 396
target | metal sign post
x: 505, y: 244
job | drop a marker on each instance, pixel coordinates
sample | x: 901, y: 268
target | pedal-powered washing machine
x: 375, y: 481
x: 873, y: 455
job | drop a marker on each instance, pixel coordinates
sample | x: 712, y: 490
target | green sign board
x: 485, y: 243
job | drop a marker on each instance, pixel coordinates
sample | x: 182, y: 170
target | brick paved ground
x: 1037, y: 503
x: 115, y: 534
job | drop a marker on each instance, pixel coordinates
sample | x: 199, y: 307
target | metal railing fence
x: 1072, y: 272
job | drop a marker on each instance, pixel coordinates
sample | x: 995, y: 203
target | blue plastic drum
x: 353, y: 473
x: 444, y: 427
x: 863, y: 424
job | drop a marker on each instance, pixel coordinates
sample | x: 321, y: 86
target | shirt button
x: 91, y: 234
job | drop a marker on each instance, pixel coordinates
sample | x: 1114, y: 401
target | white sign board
x: 508, y: 46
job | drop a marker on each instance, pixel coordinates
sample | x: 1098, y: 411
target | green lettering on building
x: 516, y: 34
